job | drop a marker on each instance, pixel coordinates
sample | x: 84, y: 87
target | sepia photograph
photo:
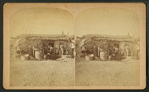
x: 108, y: 47
x: 74, y: 46
x: 41, y: 60
x: 41, y: 48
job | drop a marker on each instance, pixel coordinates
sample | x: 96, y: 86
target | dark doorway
x: 116, y: 45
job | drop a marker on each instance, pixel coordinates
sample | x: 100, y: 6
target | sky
x: 108, y: 21
x: 41, y: 21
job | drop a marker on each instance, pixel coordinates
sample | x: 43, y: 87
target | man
x: 30, y: 51
x: 111, y: 53
x: 95, y: 52
x: 45, y: 52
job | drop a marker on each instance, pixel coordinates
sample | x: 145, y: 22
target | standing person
x: 83, y: 51
x: 116, y: 49
x: 98, y: 51
x: 131, y: 51
x: 53, y: 54
x: 73, y: 49
x: 48, y: 51
x: 34, y: 49
x: 45, y: 52
x: 61, y: 49
x: 94, y: 52
x: 127, y: 50
x: 30, y: 51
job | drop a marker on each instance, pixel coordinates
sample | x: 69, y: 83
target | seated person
x: 111, y: 54
x: 49, y: 51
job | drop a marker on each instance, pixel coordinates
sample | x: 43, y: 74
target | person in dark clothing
x: 45, y: 52
x: 95, y: 52
x: 111, y: 54
x: 83, y: 50
x: 30, y: 51
x: 116, y: 52
x: 48, y: 51
x: 51, y: 52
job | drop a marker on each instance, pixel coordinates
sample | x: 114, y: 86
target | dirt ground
x: 107, y: 73
x: 42, y: 73
x: 80, y: 73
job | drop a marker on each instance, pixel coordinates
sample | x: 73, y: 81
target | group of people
x: 111, y: 53
x: 46, y: 52
x: 50, y: 51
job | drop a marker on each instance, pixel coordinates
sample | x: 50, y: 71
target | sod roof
x: 44, y: 36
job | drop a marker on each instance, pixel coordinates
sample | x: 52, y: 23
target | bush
x: 90, y: 44
x: 23, y: 45
x: 102, y: 44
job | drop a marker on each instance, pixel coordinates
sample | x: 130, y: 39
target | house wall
x: 66, y: 46
x: 122, y: 50
x: 112, y: 43
x: 46, y: 42
x: 131, y: 47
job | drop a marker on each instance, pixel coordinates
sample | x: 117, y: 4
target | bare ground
x: 42, y: 73
x: 107, y: 73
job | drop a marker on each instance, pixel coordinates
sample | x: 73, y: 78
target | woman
x: 98, y: 51
x: 61, y: 49
x: 116, y: 49
x: 73, y: 49
x: 127, y: 50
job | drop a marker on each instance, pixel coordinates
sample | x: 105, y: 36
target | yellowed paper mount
x: 74, y: 46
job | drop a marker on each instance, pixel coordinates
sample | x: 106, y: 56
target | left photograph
x: 42, y: 47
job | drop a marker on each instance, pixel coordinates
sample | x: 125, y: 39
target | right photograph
x: 107, y: 47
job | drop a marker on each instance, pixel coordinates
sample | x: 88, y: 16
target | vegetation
x: 24, y: 45
x: 90, y: 44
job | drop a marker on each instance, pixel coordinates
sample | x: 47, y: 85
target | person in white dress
x: 61, y: 49
x: 127, y: 50
x: 73, y: 49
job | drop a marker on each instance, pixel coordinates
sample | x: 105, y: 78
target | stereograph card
x: 74, y: 46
